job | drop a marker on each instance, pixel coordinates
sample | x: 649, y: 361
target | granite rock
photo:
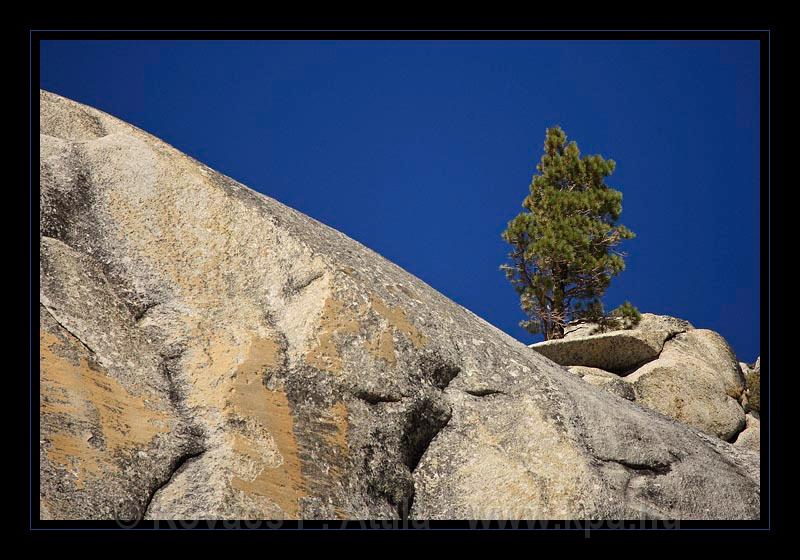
x: 208, y: 352
x: 751, y: 400
x: 750, y: 437
x: 696, y: 380
x: 618, y: 352
x: 608, y: 381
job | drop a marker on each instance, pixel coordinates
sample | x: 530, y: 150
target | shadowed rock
x: 750, y: 437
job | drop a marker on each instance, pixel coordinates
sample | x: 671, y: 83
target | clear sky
x: 423, y: 150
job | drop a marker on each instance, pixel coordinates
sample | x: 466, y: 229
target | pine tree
x: 563, y: 244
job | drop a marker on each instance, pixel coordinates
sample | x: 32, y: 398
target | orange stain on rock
x: 90, y: 397
x: 268, y: 459
x: 396, y: 318
x: 338, y: 319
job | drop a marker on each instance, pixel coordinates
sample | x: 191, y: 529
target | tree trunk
x: 554, y: 331
x: 558, y: 314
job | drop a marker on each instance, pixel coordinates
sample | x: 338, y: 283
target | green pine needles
x: 563, y: 244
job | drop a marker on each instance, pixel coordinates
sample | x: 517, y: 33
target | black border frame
x: 29, y: 163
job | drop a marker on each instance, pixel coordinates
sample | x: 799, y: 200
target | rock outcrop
x: 688, y: 374
x: 696, y: 380
x: 207, y: 352
x: 618, y: 351
x: 752, y: 394
x: 750, y: 438
x: 648, y: 323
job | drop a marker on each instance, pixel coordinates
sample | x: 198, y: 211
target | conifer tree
x: 563, y: 244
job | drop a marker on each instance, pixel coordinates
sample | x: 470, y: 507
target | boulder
x: 615, y: 351
x: 688, y: 374
x: 208, y: 352
x: 663, y: 323
x: 751, y: 400
x: 695, y: 380
x: 750, y: 438
x: 618, y: 351
x: 648, y: 322
x: 612, y: 383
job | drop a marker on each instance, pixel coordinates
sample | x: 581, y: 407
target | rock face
x: 207, y: 352
x: 688, y: 374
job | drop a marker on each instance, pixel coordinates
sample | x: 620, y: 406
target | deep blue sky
x: 423, y: 150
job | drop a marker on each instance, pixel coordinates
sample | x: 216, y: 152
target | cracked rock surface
x: 207, y: 352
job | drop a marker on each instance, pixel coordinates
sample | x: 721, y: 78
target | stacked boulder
x: 751, y: 401
x: 667, y: 365
x: 752, y: 393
